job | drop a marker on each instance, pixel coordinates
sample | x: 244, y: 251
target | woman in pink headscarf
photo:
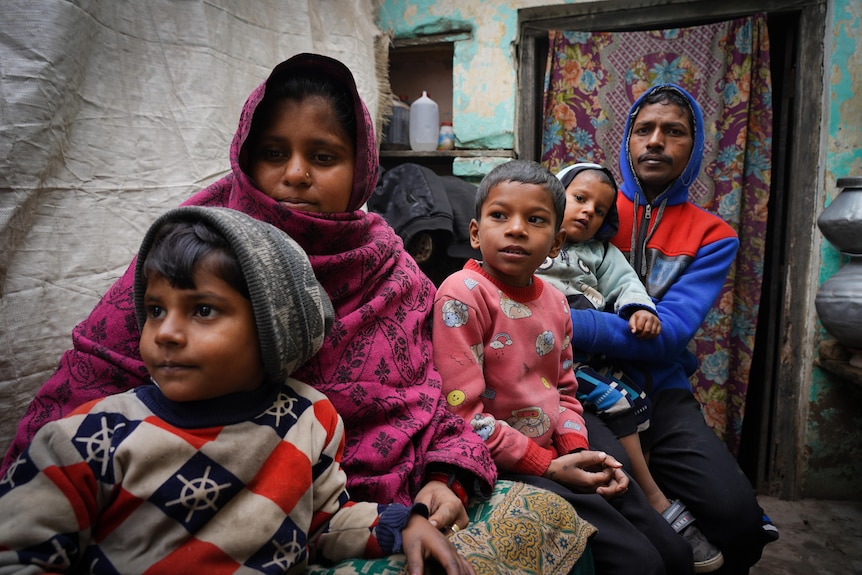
x: 304, y: 159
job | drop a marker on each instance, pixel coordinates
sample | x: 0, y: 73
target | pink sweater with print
x: 505, y: 357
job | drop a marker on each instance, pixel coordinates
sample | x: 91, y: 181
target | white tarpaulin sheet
x: 112, y: 112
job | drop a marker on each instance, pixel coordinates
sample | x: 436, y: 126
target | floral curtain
x: 591, y: 80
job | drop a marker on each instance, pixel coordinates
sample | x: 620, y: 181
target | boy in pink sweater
x: 502, y: 346
x: 501, y: 335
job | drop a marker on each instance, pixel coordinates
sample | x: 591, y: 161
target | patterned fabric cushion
x: 520, y: 530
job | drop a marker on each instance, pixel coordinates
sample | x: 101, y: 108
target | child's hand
x: 422, y: 541
x: 618, y: 484
x: 444, y: 506
x: 644, y: 324
x: 589, y: 472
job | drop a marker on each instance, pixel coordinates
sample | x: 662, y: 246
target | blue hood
x: 677, y: 192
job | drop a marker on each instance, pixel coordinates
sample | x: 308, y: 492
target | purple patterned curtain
x: 591, y: 80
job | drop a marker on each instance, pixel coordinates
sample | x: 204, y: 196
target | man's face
x: 660, y: 145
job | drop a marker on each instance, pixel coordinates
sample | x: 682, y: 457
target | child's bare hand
x: 644, y: 324
x: 589, y: 472
x: 618, y: 484
x: 422, y: 541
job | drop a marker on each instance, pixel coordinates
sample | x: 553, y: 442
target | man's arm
x: 682, y: 310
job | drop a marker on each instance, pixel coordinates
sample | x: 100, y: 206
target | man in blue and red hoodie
x: 682, y: 255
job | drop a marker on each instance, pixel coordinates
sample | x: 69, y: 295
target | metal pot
x: 839, y: 304
x: 841, y: 221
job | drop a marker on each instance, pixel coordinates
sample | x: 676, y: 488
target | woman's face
x: 304, y: 159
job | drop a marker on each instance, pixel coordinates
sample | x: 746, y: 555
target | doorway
x: 773, y: 427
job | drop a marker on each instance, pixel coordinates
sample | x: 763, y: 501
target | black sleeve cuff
x: 623, y: 424
x: 392, y: 522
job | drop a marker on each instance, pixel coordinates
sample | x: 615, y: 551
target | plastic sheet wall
x: 111, y: 113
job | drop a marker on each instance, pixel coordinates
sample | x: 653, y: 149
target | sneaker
x: 707, y: 557
x: 770, y: 531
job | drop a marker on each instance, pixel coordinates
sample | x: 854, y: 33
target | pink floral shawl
x: 376, y: 364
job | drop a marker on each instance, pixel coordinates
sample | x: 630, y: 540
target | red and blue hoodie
x: 682, y: 254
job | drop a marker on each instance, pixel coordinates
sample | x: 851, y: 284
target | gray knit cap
x: 292, y: 311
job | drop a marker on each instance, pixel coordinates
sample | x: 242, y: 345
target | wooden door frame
x: 782, y: 460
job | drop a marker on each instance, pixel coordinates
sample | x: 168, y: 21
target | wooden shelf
x: 439, y: 161
x: 407, y: 154
x: 842, y: 369
x: 834, y: 358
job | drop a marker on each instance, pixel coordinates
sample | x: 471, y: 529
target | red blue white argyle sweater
x: 133, y: 483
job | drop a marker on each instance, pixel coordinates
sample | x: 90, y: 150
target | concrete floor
x: 817, y: 538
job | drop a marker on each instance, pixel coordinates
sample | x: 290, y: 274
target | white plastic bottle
x: 424, y: 124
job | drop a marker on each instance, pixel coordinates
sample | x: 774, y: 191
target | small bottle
x: 447, y: 137
x: 424, y: 124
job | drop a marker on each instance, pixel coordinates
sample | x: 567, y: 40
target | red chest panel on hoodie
x: 682, y: 231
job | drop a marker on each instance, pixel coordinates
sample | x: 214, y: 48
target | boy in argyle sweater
x: 225, y: 464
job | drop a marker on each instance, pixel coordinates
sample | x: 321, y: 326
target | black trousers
x: 689, y: 462
x: 632, y: 537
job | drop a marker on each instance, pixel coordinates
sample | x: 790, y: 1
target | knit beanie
x: 291, y: 310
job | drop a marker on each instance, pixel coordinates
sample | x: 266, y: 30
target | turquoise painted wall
x: 833, y: 436
x: 484, y: 86
x: 484, y: 67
